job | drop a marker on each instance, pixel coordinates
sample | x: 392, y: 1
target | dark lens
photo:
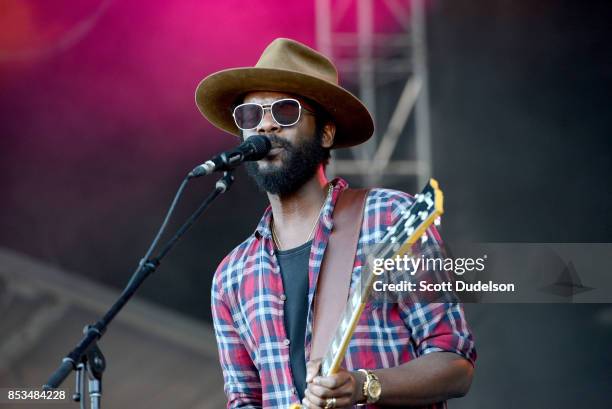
x: 248, y: 116
x: 286, y: 112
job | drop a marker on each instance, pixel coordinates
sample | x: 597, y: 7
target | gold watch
x: 371, y: 387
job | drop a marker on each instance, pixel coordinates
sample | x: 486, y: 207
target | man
x: 262, y: 292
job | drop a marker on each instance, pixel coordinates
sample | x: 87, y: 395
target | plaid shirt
x: 247, y: 307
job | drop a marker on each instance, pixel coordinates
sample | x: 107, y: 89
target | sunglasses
x: 285, y: 112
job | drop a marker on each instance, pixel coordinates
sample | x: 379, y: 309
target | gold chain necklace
x: 275, y: 237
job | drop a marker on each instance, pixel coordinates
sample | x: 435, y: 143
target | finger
x: 313, y: 401
x: 323, y: 392
x: 333, y: 381
x: 320, y: 391
x: 312, y: 369
x: 343, y: 403
x: 309, y: 405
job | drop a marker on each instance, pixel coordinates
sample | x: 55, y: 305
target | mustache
x: 279, y: 142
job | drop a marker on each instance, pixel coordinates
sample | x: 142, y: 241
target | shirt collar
x: 264, y: 229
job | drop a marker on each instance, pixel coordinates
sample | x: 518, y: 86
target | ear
x: 329, y: 134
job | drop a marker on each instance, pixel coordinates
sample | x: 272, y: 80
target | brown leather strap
x: 336, y: 269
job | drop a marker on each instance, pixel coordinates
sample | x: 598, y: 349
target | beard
x: 299, y: 164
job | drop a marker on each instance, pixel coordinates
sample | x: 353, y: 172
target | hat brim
x: 217, y: 94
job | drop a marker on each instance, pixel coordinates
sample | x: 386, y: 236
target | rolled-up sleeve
x: 440, y: 327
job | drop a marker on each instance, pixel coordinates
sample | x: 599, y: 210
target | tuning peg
x: 424, y: 238
x: 438, y: 221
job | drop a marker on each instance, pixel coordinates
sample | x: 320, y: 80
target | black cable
x: 162, y: 228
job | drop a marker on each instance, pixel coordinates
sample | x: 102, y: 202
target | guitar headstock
x: 428, y: 206
x: 426, y: 210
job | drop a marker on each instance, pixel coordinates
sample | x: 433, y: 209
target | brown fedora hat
x: 290, y: 67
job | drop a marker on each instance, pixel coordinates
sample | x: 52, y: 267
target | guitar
x: 398, y: 240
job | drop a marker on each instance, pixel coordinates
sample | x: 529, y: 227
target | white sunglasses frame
x: 269, y: 106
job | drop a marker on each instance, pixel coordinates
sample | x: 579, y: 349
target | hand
x: 345, y: 386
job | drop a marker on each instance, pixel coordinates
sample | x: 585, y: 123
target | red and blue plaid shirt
x: 247, y: 307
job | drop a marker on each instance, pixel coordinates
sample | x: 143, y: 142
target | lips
x: 275, y: 151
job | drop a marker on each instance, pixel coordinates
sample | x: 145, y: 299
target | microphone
x: 256, y: 147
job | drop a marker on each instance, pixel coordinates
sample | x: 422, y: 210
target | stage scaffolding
x: 368, y: 57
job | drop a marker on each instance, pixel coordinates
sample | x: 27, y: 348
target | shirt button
x: 286, y: 341
x: 283, y: 297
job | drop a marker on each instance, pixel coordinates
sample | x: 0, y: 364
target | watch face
x: 374, y: 389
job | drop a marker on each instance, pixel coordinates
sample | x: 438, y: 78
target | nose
x: 268, y: 124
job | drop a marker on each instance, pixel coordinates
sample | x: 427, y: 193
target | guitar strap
x: 334, y: 279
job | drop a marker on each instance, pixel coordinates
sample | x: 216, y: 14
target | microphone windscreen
x: 259, y: 145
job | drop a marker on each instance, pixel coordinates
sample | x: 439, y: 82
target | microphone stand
x: 87, y: 356
x: 92, y: 365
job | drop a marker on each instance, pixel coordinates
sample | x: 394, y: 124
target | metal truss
x: 367, y: 59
